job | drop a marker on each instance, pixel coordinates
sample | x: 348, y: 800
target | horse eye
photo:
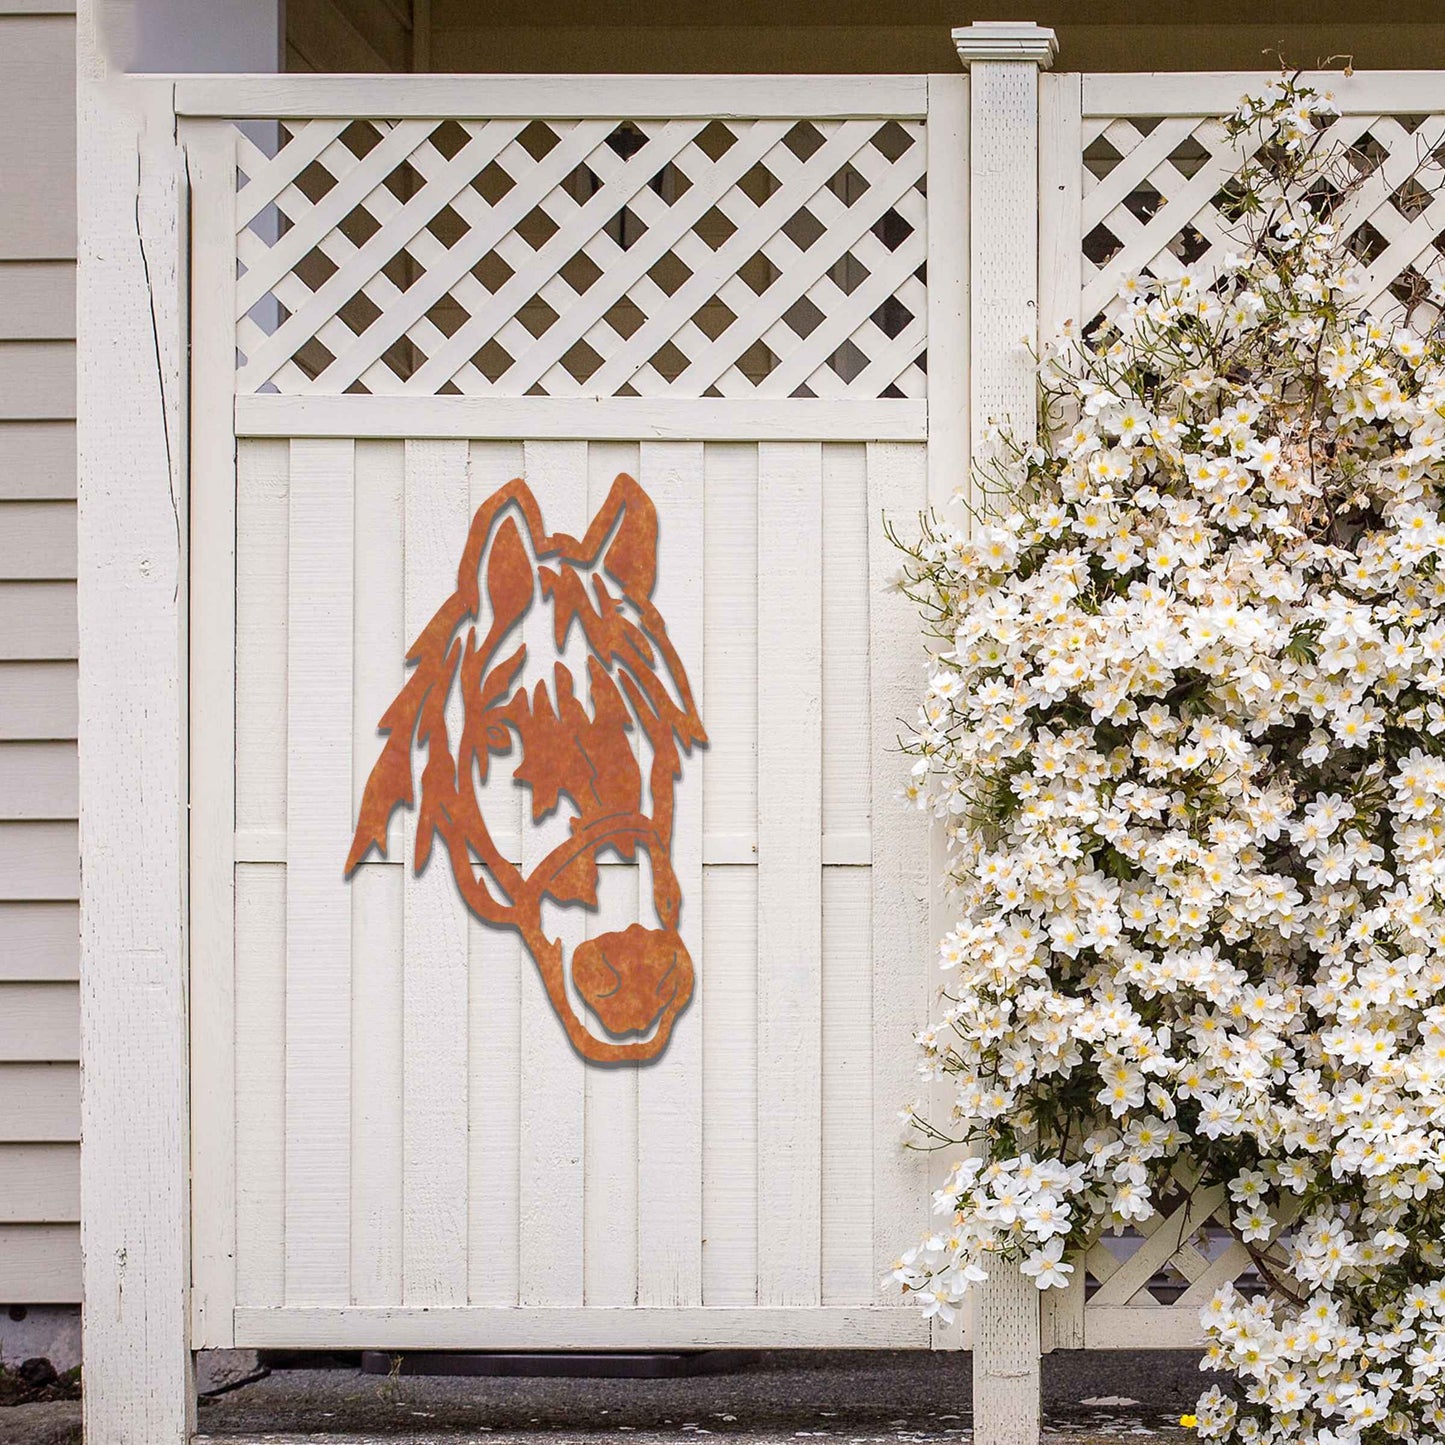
x: 499, y: 740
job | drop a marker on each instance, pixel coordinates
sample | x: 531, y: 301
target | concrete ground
x: 863, y: 1398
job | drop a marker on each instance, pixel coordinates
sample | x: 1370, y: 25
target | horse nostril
x: 627, y: 978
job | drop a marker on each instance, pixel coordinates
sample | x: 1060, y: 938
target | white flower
x: 1185, y: 729
x: 1046, y: 1266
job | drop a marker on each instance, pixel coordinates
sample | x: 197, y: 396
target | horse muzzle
x: 631, y: 977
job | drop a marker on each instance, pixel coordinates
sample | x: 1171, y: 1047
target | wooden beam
x: 132, y: 589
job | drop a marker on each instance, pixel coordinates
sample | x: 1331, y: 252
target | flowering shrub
x: 1186, y: 725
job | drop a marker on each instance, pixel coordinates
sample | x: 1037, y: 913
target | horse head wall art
x: 467, y: 705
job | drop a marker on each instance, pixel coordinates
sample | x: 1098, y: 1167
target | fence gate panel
x: 406, y: 296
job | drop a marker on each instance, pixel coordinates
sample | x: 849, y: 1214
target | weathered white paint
x: 554, y: 97
x: 418, y: 1156
x: 862, y: 1327
x: 606, y: 1189
x: 542, y: 418
x: 1004, y: 59
x: 133, y: 600
x: 210, y: 163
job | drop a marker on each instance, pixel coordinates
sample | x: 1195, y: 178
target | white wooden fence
x: 751, y: 293
x: 402, y: 298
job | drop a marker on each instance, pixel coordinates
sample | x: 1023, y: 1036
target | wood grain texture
x: 378, y: 954
x: 1003, y: 270
x: 262, y: 552
x: 132, y: 585
x: 790, y: 723
x: 848, y: 1268
x: 1061, y: 167
x: 556, y: 96
x: 669, y: 1091
x: 318, y: 922
x: 210, y: 166
x: 553, y: 1078
x: 612, y: 1171
x: 903, y: 880
x: 499, y: 972
x: 602, y: 1329
x: 561, y: 418
x: 435, y: 982
x: 262, y: 549
x: 261, y: 1084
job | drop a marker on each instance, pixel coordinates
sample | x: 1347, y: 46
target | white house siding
x: 39, y: 859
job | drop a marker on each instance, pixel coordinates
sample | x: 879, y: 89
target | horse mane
x: 622, y: 538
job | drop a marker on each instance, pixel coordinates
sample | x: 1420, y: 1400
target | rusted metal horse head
x: 639, y: 979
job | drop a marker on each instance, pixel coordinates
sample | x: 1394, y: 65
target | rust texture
x: 637, y: 980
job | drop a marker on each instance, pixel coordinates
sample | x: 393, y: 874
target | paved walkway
x: 846, y: 1399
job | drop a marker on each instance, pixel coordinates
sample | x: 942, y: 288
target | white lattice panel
x: 1155, y: 189
x: 1147, y: 1287
x: 600, y: 258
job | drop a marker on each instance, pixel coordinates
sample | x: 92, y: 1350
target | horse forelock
x: 468, y: 690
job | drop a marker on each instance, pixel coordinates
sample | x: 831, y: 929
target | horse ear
x: 632, y: 557
x: 509, y: 577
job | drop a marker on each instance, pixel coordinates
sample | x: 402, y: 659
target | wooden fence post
x: 1004, y: 59
x: 135, y: 1199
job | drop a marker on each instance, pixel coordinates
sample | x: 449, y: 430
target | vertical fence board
x: 553, y: 1086
x: 902, y: 881
x: 435, y: 1028
x: 377, y: 1076
x: 1061, y: 176
x: 669, y: 1095
x: 730, y: 809
x: 848, y: 1269
x: 498, y: 968
x: 949, y: 477
x: 260, y: 1084
x: 790, y: 551
x: 211, y: 155
x: 262, y: 485
x: 318, y: 923
x: 610, y: 1186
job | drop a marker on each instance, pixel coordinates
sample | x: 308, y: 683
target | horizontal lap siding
x: 39, y: 860
x: 486, y: 1166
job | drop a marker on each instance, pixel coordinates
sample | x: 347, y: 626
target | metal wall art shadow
x: 636, y: 981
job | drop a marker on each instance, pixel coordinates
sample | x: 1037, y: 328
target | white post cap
x: 1006, y: 40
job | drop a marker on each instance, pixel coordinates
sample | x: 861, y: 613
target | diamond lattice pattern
x: 682, y: 258
x: 1156, y: 199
